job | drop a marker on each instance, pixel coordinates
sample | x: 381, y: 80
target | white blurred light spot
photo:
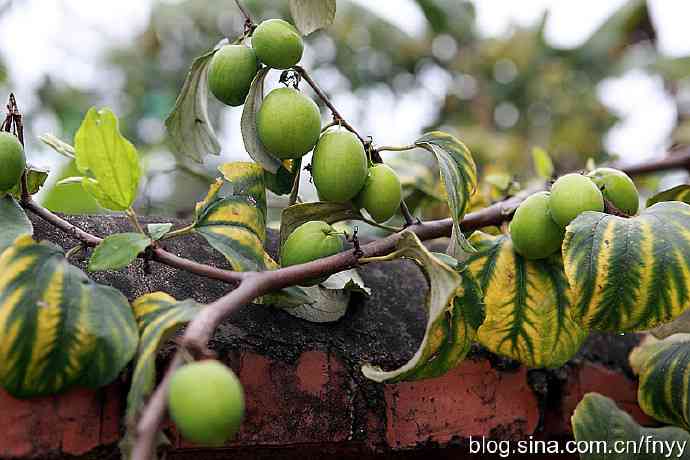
x: 506, y: 115
x: 505, y: 71
x: 647, y: 114
x: 444, y: 47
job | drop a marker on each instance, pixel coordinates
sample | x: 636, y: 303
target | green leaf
x: 235, y: 226
x: 60, y: 146
x: 189, y: 126
x: 72, y: 198
x: 111, y: 160
x: 14, y: 222
x: 158, y: 231
x: 612, y: 434
x: 324, y: 303
x: 312, y: 15
x: 677, y: 193
x: 629, y: 274
x: 329, y: 212
x: 35, y: 178
x: 281, y: 183
x: 250, y: 135
x: 59, y: 328
x: 159, y: 317
x: 118, y: 251
x: 459, y: 175
x: 448, y: 334
x: 664, y: 386
x: 542, y: 163
x: 528, y: 309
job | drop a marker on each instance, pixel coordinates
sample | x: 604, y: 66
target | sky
x: 70, y: 35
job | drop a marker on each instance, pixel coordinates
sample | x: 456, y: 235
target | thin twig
x: 245, y: 13
x: 326, y: 100
x: 159, y: 255
x: 402, y: 148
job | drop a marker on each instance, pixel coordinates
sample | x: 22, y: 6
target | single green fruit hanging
x: 534, y: 233
x: 278, y: 44
x: 382, y: 193
x: 339, y: 165
x: 572, y: 195
x: 231, y: 73
x: 206, y: 402
x: 310, y: 241
x: 288, y: 123
x: 618, y: 188
x: 12, y: 161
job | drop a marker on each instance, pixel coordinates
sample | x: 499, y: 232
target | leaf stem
x: 184, y: 231
x: 132, y: 215
x: 402, y: 148
x: 389, y: 228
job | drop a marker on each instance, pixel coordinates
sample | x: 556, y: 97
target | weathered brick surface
x: 74, y: 423
x: 472, y: 400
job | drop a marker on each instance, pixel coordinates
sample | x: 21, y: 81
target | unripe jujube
x: 231, y: 73
x: 618, y: 188
x: 534, y: 233
x: 206, y: 402
x: 339, y: 166
x: 12, y: 161
x: 572, y: 195
x: 382, y: 193
x: 288, y: 123
x: 310, y: 241
x: 278, y: 44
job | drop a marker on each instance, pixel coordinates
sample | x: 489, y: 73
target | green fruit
x: 618, y: 188
x: 278, y: 44
x: 339, y: 166
x: 382, y: 193
x: 308, y: 242
x: 12, y: 161
x: 231, y: 73
x: 206, y: 402
x: 571, y: 195
x: 288, y: 123
x: 534, y: 233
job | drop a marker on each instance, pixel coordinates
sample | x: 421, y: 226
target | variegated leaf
x: 528, y: 309
x: 629, y: 274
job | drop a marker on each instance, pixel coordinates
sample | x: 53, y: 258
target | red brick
x: 69, y: 423
x: 471, y: 400
x: 301, y: 403
x: 594, y: 378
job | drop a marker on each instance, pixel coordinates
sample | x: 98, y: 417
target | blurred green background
x: 502, y: 94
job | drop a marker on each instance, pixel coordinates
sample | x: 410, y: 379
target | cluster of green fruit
x: 538, y: 227
x: 12, y: 162
x: 206, y: 402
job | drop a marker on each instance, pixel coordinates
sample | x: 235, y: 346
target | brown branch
x: 158, y: 254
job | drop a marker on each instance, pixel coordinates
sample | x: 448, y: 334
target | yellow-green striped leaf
x: 608, y: 433
x: 14, y: 222
x: 118, y: 251
x: 158, y: 316
x: 528, y: 309
x: 111, y: 161
x: 629, y: 274
x: 449, y: 304
x: 329, y: 212
x: 246, y: 179
x: 458, y: 172
x: 58, y: 328
x: 677, y: 193
x: 664, y: 382
x: 235, y: 226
